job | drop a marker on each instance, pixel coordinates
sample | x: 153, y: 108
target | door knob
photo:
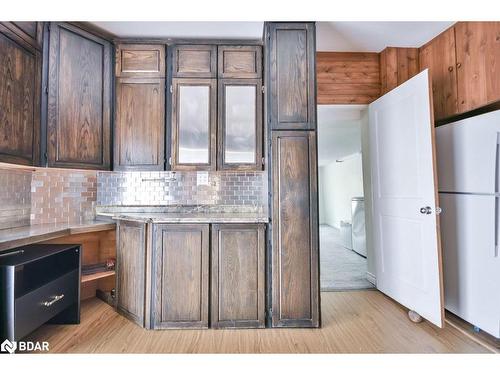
x: 426, y: 210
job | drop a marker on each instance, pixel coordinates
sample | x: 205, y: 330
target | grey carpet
x: 340, y: 268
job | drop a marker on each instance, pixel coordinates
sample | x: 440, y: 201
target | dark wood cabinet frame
x: 212, y: 85
x: 221, y: 162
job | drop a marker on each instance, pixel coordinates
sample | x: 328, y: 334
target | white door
x: 406, y: 235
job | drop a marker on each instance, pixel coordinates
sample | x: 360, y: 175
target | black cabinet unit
x: 40, y: 283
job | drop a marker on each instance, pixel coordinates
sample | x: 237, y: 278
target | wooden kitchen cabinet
x: 397, y: 65
x: 140, y: 60
x: 20, y: 81
x: 292, y: 75
x: 194, y: 115
x: 238, y: 276
x: 439, y: 57
x: 478, y: 64
x: 139, y: 142
x: 240, y: 125
x: 295, y: 267
x: 131, y: 270
x: 79, y: 99
x: 194, y: 61
x: 180, y: 275
x: 239, y: 61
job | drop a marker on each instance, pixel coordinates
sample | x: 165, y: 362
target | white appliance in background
x: 346, y: 234
x: 468, y: 159
x: 358, y: 225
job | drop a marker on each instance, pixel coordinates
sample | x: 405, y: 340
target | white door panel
x: 471, y: 262
x: 406, y: 240
x: 468, y: 155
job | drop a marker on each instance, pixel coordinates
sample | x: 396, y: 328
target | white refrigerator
x: 468, y: 165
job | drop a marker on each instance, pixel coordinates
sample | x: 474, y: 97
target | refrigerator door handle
x: 497, y: 223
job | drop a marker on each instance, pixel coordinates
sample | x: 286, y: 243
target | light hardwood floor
x: 353, y: 322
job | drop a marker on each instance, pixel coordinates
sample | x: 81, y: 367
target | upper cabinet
x: 194, y: 106
x: 439, y: 57
x: 292, y: 88
x: 140, y: 60
x: 139, y: 139
x: 478, y: 63
x: 397, y: 65
x: 240, y: 62
x: 20, y: 80
x: 194, y: 61
x: 79, y: 99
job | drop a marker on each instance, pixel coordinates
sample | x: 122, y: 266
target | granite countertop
x: 14, y: 237
x: 189, y: 217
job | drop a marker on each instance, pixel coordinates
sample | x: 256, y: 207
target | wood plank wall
x: 397, y: 65
x: 347, y: 77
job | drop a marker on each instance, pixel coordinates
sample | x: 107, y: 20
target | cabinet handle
x: 54, y: 300
x: 450, y: 69
x: 459, y: 65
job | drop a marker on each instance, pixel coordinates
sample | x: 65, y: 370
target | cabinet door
x: 292, y: 70
x: 194, y: 106
x: 140, y: 124
x: 239, y: 61
x: 439, y: 57
x: 478, y: 63
x: 180, y: 268
x: 131, y: 270
x: 240, y: 124
x: 140, y: 60
x: 194, y: 61
x: 79, y: 99
x: 238, y: 263
x: 20, y: 78
x: 295, y: 280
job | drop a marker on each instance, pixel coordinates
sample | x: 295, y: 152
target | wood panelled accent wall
x: 397, y: 65
x: 347, y: 77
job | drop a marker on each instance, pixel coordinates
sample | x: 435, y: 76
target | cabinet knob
x: 450, y: 69
x: 459, y: 65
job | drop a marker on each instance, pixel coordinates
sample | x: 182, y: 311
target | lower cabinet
x: 180, y: 275
x: 131, y: 270
x: 238, y: 276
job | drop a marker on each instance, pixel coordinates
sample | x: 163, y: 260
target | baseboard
x: 371, y: 278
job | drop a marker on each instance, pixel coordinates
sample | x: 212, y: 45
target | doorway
x: 346, y: 262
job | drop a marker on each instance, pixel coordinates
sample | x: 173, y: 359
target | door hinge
x: 46, y: 89
x: 263, y: 161
x: 170, y: 161
x: 171, y: 89
x: 263, y: 89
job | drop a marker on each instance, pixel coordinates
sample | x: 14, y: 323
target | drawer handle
x: 54, y: 300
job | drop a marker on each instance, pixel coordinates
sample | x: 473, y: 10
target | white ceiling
x: 375, y: 36
x: 339, y: 131
x: 203, y: 30
x: 331, y: 36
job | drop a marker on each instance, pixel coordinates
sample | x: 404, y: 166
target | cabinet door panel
x: 130, y: 270
x: 292, y: 76
x: 240, y: 61
x: 195, y: 61
x: 478, y: 60
x: 140, y: 60
x: 140, y: 124
x: 79, y: 116
x: 240, y: 124
x: 439, y: 57
x: 238, y: 275
x: 295, y: 230
x: 193, y: 124
x: 181, y: 276
x: 20, y: 76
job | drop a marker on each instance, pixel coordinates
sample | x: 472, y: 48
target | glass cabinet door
x: 240, y: 124
x: 193, y: 124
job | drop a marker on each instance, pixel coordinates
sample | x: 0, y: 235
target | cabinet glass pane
x: 194, y: 124
x: 240, y: 137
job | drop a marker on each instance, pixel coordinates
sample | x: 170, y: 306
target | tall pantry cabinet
x: 291, y: 116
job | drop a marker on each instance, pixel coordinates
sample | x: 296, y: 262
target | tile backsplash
x: 214, y: 190
x: 15, y: 198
